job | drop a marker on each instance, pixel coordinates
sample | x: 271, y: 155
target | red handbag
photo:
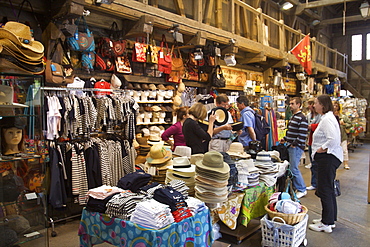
x: 139, y: 52
x: 164, y: 58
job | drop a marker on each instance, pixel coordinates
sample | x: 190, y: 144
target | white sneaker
x: 317, y: 221
x: 311, y: 188
x: 301, y: 194
x: 308, y: 166
x: 320, y: 227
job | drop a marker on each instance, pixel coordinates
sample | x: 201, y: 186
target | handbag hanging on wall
x: 82, y: 41
x: 164, y: 57
x: 58, y: 73
x: 217, y: 78
x: 177, y: 67
x: 123, y: 65
x: 139, y: 51
x: 116, y: 36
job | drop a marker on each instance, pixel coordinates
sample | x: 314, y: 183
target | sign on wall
x: 234, y: 77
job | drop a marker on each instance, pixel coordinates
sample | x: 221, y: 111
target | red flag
x: 302, y: 51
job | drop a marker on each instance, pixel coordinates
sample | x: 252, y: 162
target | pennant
x: 302, y: 51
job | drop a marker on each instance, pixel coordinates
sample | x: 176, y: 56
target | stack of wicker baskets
x: 290, y: 219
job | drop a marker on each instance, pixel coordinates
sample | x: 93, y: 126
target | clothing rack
x: 82, y: 89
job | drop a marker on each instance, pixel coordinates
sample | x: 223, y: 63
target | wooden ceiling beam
x: 315, y: 4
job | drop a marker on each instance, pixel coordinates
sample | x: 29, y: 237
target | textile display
x: 96, y: 228
x: 229, y: 211
x: 255, y: 198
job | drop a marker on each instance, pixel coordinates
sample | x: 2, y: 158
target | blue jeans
x: 295, y: 155
x: 313, y: 168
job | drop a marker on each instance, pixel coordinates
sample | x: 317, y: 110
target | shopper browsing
x: 222, y: 132
x: 195, y: 137
x: 247, y: 117
x: 328, y: 154
x: 313, y: 119
x: 296, y: 142
x: 175, y: 130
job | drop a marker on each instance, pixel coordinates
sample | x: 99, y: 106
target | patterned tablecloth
x: 96, y: 228
x: 254, y: 201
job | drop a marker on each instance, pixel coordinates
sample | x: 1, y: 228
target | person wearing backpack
x: 296, y: 141
x: 248, y: 118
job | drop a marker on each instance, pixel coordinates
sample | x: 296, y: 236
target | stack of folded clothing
x: 195, y: 205
x: 212, y: 175
x: 123, y: 204
x: 134, y: 180
x: 99, y: 197
x: 175, y: 201
x: 152, y: 214
x: 180, y: 186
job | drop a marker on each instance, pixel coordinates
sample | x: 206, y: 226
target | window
x: 357, y: 47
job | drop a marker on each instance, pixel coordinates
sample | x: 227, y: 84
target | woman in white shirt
x: 328, y: 153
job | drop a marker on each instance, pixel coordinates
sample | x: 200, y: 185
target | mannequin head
x: 12, y: 135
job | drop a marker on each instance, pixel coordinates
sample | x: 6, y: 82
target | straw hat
x: 177, y: 100
x: 161, y: 87
x: 237, y: 126
x: 194, y: 158
x: 20, y: 34
x: 11, y: 64
x: 158, y: 154
x: 17, y: 51
x: 152, y: 87
x: 214, y: 162
x: 182, y: 164
x: 181, y: 87
x: 221, y: 115
x: 169, y: 87
x: 183, y: 151
x: 236, y: 149
x: 155, y: 138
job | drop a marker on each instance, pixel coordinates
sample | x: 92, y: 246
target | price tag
x: 31, y: 196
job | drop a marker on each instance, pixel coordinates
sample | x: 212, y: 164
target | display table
x: 251, y: 206
x: 96, y: 228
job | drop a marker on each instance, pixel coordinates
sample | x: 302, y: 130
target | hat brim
x: 9, y: 45
x: 8, y: 66
x: 222, y: 115
x: 241, y: 155
x: 7, y: 51
x: 155, y: 142
x: 237, y: 126
x: 166, y: 158
x: 224, y: 169
x: 191, y: 169
x: 34, y: 45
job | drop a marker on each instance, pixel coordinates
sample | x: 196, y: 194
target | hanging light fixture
x: 365, y: 9
x: 286, y: 6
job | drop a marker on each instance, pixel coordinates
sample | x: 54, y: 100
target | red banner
x: 302, y: 51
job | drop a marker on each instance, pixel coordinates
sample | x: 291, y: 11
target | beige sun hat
x: 25, y: 55
x: 152, y: 87
x: 214, y: 162
x: 177, y: 100
x: 181, y: 87
x: 182, y: 164
x: 236, y: 149
x: 182, y: 151
x: 158, y: 154
x: 20, y: 34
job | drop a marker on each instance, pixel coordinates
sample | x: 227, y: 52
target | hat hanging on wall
x: 221, y: 115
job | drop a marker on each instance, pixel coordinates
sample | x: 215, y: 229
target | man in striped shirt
x: 296, y: 140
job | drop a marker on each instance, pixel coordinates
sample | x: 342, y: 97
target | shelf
x: 152, y: 123
x: 154, y: 102
x: 13, y: 158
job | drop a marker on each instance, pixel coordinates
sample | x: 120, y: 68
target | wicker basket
x: 290, y: 219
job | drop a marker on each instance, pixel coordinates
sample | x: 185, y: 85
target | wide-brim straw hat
x: 10, y: 64
x: 20, y: 34
x: 221, y: 114
x: 213, y: 161
x: 237, y: 149
x: 182, y: 164
x: 181, y: 151
x: 19, y: 51
x: 194, y: 158
x: 158, y: 154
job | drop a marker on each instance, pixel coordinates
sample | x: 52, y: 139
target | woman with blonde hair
x: 344, y: 124
x: 195, y: 137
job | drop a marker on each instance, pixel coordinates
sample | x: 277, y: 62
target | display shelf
x: 155, y: 102
x: 153, y: 123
